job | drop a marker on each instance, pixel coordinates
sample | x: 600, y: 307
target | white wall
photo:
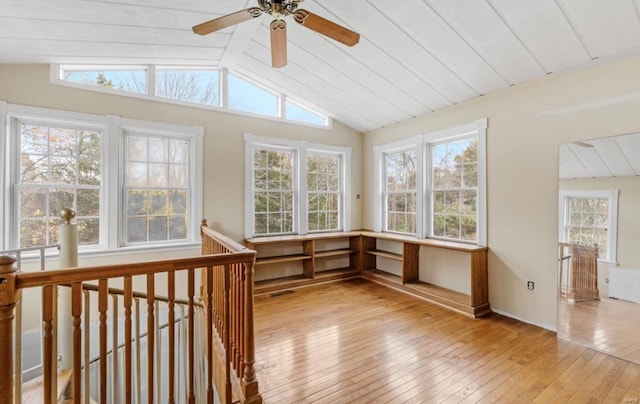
x: 526, y: 125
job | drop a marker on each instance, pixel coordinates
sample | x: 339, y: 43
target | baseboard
x: 550, y: 327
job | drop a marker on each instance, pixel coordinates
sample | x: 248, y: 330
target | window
x: 196, y: 86
x: 323, y: 191
x: 59, y: 167
x: 295, y: 187
x: 72, y: 160
x: 400, y: 191
x: 156, y: 188
x: 273, y: 190
x: 433, y: 185
x: 454, y: 189
x: 297, y: 112
x: 249, y: 97
x: 590, y: 218
x: 122, y: 78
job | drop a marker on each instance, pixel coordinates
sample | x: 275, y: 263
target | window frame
x: 56, y: 73
x: 423, y: 144
x: 301, y: 149
x: 111, y: 158
x: 612, y: 228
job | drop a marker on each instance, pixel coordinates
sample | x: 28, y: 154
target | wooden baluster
x: 128, y: 365
x: 76, y: 312
x: 249, y: 381
x: 54, y: 343
x: 87, y: 346
x: 226, y: 329
x: 150, y: 337
x: 8, y: 297
x: 139, y: 381
x: 47, y: 341
x: 114, y: 359
x: 102, y: 309
x: 209, y: 340
x: 171, y: 285
x: 239, y: 304
x: 190, y: 332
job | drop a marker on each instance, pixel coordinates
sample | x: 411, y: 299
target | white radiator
x: 624, y: 283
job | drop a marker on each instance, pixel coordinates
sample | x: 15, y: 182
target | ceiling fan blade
x: 278, y: 43
x: 326, y: 27
x: 227, y: 21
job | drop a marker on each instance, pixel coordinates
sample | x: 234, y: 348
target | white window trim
x: 612, y: 231
x: 112, y: 128
x: 300, y: 192
x: 55, y: 77
x: 423, y: 144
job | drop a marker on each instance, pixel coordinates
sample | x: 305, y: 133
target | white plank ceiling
x: 414, y: 56
x: 607, y: 157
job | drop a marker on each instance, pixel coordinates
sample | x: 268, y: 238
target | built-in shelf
x: 361, y: 249
x: 385, y: 254
x: 282, y: 258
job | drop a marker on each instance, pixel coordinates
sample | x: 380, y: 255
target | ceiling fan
x: 279, y: 9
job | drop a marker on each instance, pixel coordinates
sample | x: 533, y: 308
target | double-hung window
x: 133, y: 184
x: 590, y: 218
x: 295, y: 187
x: 59, y: 166
x: 433, y: 185
x: 400, y: 192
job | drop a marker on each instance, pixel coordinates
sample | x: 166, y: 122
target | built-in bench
x: 393, y: 260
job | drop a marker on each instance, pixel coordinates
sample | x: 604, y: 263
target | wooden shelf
x: 338, y: 273
x: 282, y: 258
x: 334, y: 253
x: 385, y: 254
x: 386, y: 277
x: 272, y: 285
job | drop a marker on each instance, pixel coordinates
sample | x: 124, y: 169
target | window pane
x: 298, y: 113
x: 65, y: 173
x: 248, y: 97
x: 273, y: 191
x: 455, y: 189
x: 202, y: 87
x: 88, y: 231
x: 401, y: 174
x: 126, y: 80
x: 136, y: 229
x: 588, y: 222
x: 157, y: 182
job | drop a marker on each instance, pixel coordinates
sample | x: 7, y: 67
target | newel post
x: 8, y: 297
x: 249, y: 381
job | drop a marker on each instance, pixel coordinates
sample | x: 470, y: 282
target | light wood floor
x: 357, y: 342
x: 608, y: 325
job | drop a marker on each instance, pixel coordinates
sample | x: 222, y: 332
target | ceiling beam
x: 240, y: 39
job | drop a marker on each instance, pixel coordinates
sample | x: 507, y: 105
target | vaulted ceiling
x: 414, y: 56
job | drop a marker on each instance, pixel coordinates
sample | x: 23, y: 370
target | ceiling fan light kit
x: 280, y: 9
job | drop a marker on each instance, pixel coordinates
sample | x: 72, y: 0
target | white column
x: 68, y: 258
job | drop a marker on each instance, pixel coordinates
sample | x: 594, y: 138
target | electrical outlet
x: 531, y: 285
x: 606, y: 280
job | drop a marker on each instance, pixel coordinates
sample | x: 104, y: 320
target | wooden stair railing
x: 232, y: 313
x: 217, y: 266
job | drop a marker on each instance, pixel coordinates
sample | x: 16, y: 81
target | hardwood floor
x: 355, y: 341
x: 608, y: 325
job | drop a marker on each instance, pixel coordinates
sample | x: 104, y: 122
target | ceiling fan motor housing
x: 279, y: 8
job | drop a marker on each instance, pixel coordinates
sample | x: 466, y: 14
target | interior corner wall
x: 526, y: 123
x: 223, y: 140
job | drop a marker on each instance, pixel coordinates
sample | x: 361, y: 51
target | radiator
x: 624, y: 283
